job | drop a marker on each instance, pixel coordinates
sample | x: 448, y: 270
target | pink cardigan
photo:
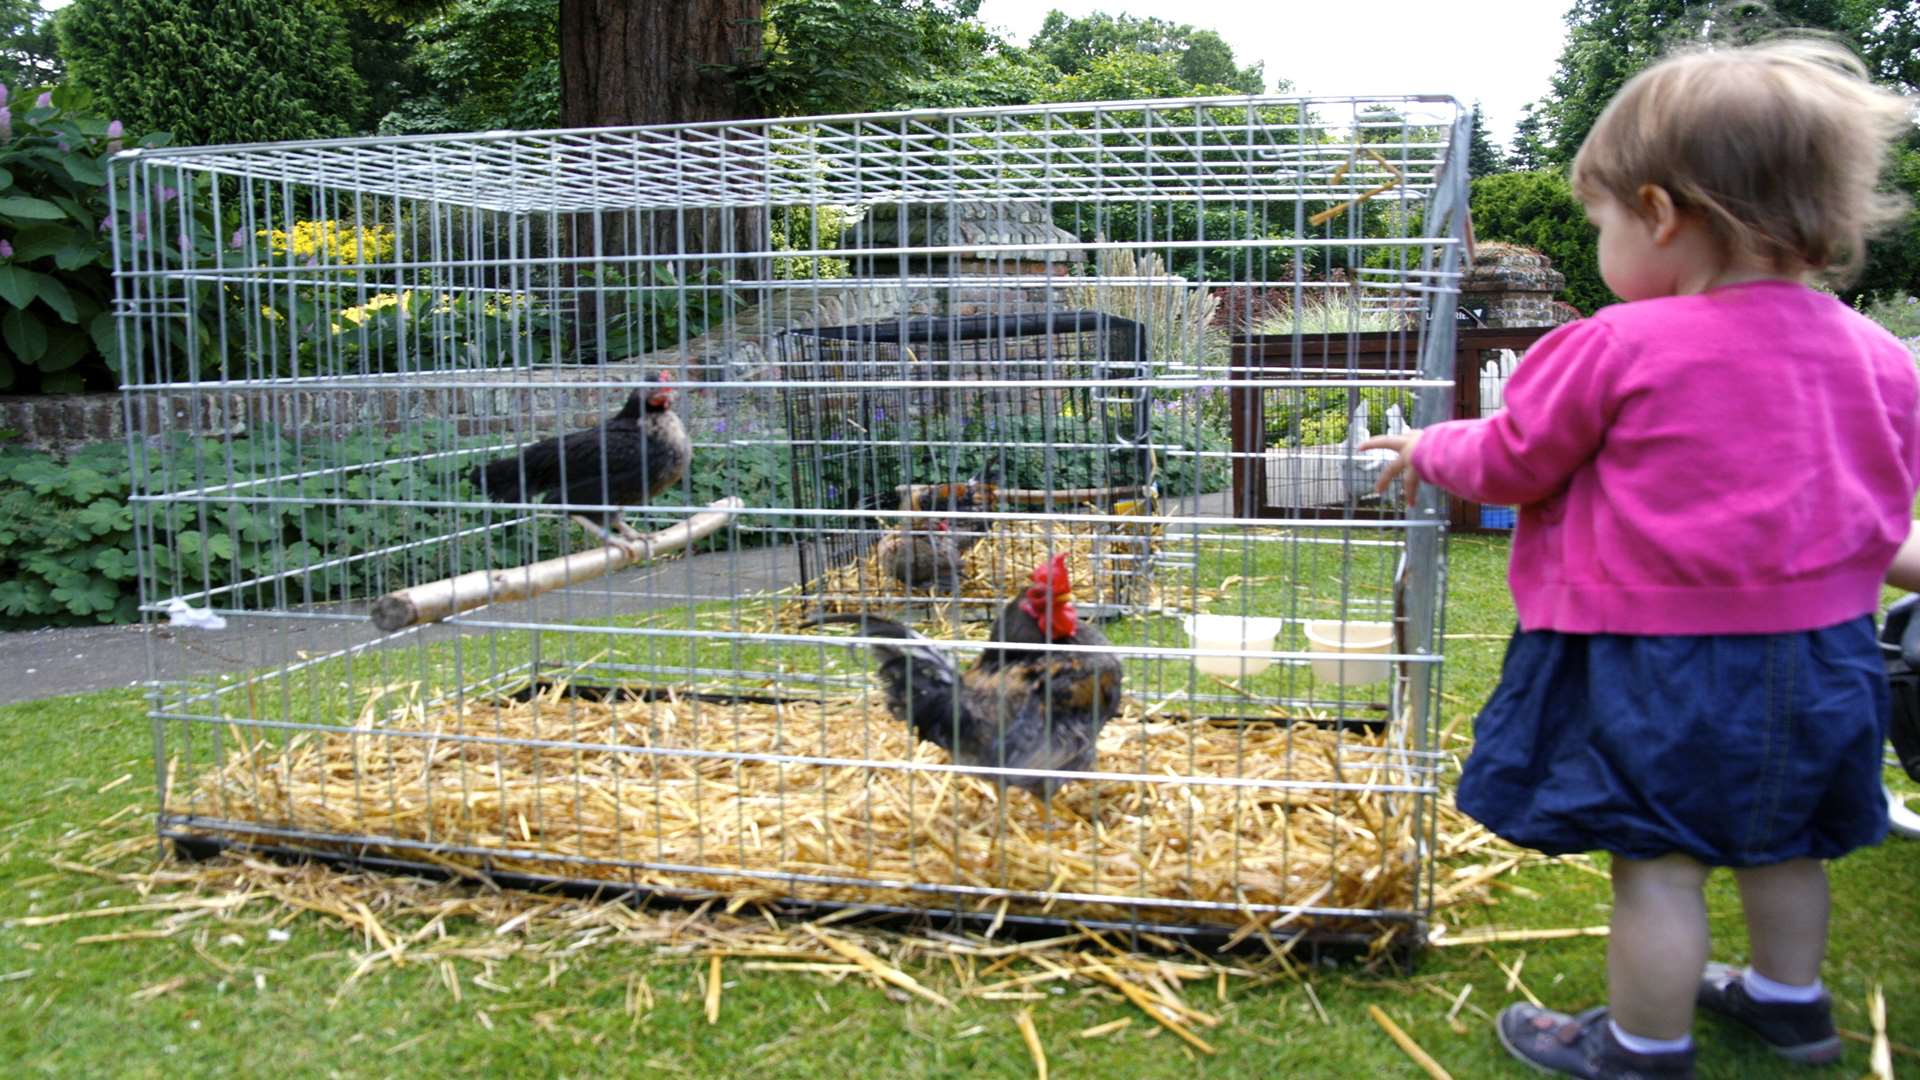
x: 1739, y: 461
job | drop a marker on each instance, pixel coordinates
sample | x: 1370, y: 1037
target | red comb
x: 940, y: 526
x: 1052, y: 576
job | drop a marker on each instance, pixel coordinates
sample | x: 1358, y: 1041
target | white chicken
x: 1363, y: 467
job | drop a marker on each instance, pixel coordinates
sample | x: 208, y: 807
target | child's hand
x: 1402, y: 446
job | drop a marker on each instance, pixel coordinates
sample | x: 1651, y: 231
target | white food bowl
x: 1341, y: 641
x: 1232, y: 632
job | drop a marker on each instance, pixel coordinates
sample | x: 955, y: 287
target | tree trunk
x: 633, y: 62
x: 653, y: 61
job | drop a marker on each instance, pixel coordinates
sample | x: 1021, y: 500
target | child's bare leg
x: 1786, y: 906
x: 1658, y: 947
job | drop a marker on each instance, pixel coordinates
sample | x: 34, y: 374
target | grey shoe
x: 1582, y: 1046
x: 1802, y: 1033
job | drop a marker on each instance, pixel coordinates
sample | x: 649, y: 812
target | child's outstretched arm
x: 1559, y: 404
x: 1905, y: 571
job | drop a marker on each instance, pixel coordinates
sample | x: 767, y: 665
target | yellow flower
x: 333, y: 241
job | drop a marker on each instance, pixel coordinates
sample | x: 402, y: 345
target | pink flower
x: 6, y: 123
x: 44, y: 101
x: 186, y: 245
x: 6, y: 250
x: 114, y: 131
x: 168, y: 194
x: 239, y: 239
x: 3, y: 93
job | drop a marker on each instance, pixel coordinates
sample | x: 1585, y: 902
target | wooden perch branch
x: 1332, y: 212
x: 450, y: 596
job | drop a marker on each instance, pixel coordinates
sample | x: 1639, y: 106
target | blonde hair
x: 1778, y: 146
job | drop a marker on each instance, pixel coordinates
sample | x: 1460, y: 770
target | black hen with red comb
x: 1019, y: 706
x: 626, y: 460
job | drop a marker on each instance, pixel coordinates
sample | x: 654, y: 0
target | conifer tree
x: 216, y: 71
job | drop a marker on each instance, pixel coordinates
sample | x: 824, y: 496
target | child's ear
x: 1659, y: 212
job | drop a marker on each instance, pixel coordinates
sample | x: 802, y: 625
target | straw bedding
x: 1336, y: 848
x: 1108, y: 563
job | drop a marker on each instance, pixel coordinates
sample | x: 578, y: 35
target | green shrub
x: 67, y: 530
x: 1899, y: 314
x: 66, y: 539
x: 1018, y: 449
x: 216, y: 71
x: 1892, y: 269
x: 56, y: 258
x: 1538, y: 209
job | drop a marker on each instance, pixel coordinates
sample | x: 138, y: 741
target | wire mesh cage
x: 1048, y: 410
x: 814, y: 512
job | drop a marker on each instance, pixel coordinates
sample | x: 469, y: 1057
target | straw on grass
x: 1494, y: 936
x: 1880, y: 1058
x: 1024, y: 1021
x: 1413, y: 1050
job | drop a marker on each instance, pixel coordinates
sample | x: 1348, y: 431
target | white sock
x: 1767, y: 992
x: 1650, y: 1046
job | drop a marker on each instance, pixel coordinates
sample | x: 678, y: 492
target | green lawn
x: 223, y: 997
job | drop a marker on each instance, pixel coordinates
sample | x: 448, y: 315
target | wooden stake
x: 449, y: 596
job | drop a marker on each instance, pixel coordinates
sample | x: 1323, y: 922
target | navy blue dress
x: 1739, y: 750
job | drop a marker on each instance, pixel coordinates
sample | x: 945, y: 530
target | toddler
x: 1713, y: 478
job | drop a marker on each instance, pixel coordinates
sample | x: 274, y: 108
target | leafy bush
x: 486, y: 64
x: 67, y: 532
x: 1538, y: 209
x: 55, y: 259
x: 490, y: 331
x: 1899, y: 314
x: 66, y: 539
x: 1027, y: 452
x: 1892, y: 269
x: 216, y: 71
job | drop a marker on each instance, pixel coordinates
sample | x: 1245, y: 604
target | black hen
x: 1019, y: 708
x: 634, y: 455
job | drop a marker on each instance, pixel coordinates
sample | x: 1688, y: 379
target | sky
x: 1501, y: 52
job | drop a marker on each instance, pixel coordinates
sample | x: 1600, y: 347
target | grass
x: 237, y: 1002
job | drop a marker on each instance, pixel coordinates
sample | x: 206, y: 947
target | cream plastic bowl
x: 1341, y: 642
x: 1232, y: 632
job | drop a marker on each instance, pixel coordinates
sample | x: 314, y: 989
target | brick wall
x: 1509, y: 285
